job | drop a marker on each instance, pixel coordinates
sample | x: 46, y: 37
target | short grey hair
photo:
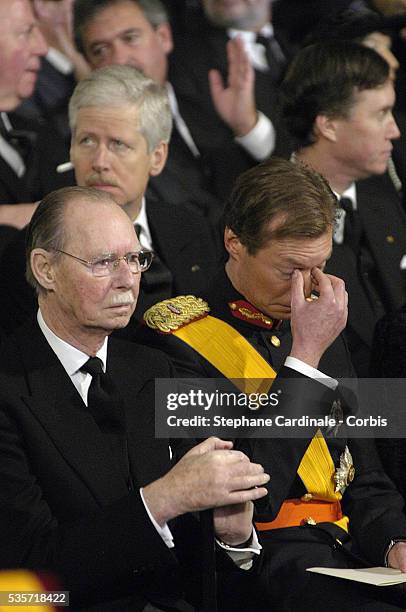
x: 117, y: 86
x: 84, y: 11
x: 46, y: 229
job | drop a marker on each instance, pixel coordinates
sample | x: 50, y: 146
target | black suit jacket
x: 50, y: 98
x: 384, y: 225
x: 15, y: 190
x: 187, y: 180
x: 197, y: 51
x: 65, y: 505
x: 371, y: 501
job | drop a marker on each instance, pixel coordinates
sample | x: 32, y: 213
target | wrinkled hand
x: 235, y: 101
x: 397, y: 556
x: 316, y: 324
x: 233, y: 524
x: 208, y: 476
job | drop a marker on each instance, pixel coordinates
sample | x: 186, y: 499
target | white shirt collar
x: 173, y: 103
x: 145, y: 237
x: 59, y: 61
x: 70, y: 357
x: 247, y: 36
x: 351, y: 193
x: 180, y: 124
x: 256, y: 52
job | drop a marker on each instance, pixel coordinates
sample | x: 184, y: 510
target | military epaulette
x: 170, y: 315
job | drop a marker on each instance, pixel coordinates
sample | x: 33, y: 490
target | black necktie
x: 103, y: 399
x: 352, y: 225
x: 274, y: 56
x: 106, y: 406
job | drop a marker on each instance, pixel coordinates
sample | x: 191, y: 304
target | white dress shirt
x: 351, y: 194
x: 255, y: 51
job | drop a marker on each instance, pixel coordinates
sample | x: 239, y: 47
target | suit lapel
x: 11, y: 186
x: 55, y: 402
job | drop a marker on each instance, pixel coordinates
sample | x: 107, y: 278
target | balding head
x: 83, y: 257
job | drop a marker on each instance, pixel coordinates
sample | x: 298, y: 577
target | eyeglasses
x: 105, y: 266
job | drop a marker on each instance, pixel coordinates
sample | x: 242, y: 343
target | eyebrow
x: 103, y: 41
x: 293, y: 262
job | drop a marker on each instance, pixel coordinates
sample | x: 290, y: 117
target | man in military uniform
x: 265, y: 319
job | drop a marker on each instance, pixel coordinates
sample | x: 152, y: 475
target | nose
x: 393, y: 130
x: 307, y: 282
x: 100, y: 160
x: 120, y: 54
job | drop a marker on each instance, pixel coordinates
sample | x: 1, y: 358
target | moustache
x: 119, y: 299
x: 95, y: 180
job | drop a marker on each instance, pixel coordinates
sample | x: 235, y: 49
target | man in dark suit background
x: 199, y: 68
x: 85, y: 488
x: 138, y: 33
x: 121, y: 124
x: 338, y: 101
x: 21, y: 47
x: 60, y: 69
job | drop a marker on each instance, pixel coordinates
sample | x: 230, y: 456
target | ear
x: 42, y: 267
x: 158, y: 159
x: 325, y: 127
x: 232, y: 244
x: 164, y: 34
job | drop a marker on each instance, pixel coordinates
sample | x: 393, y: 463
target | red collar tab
x: 245, y: 311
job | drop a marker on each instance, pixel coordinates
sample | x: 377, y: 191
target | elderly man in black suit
x: 338, y: 101
x: 121, y: 125
x: 86, y: 488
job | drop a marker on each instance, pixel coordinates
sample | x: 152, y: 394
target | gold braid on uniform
x: 170, y: 315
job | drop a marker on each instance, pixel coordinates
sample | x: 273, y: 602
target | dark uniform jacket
x: 372, y: 503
